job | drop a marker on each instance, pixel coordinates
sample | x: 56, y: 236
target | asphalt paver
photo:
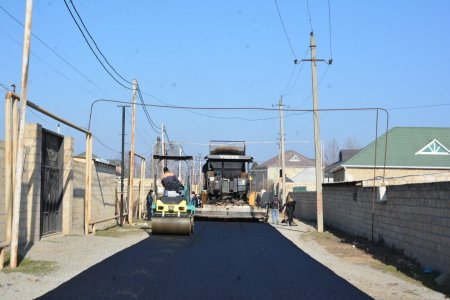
x: 221, y: 260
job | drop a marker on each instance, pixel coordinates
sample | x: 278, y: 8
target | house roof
x: 293, y: 160
x: 407, y: 147
x: 344, y: 155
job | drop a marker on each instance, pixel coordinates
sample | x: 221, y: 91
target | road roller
x: 172, y: 211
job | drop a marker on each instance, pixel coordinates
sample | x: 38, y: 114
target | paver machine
x: 172, y: 211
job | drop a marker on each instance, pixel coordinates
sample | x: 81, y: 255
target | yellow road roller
x: 173, y: 212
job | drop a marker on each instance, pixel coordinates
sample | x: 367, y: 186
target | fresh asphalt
x: 221, y: 260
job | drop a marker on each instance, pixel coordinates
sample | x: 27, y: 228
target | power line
x: 48, y: 65
x: 285, y: 32
x: 92, y: 50
x: 4, y: 86
x: 309, y: 15
x: 298, y: 75
x: 56, y: 53
x: 96, y: 46
x: 329, y: 24
x: 105, y: 145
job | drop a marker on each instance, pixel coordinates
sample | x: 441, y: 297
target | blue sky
x: 234, y: 53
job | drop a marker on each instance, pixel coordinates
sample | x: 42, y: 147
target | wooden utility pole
x: 88, y: 181
x: 317, y: 146
x: 20, y: 144
x: 283, y: 161
x: 131, y: 177
x: 141, y: 188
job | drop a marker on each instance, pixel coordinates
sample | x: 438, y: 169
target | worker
x: 290, y: 208
x: 274, y: 204
x: 149, y: 203
x: 194, y: 199
x: 170, y: 182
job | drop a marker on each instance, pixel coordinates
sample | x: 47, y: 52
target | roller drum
x: 170, y: 225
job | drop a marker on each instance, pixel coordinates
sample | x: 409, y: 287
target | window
x: 434, y: 148
x: 294, y: 158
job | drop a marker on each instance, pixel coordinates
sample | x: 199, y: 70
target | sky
x: 388, y: 54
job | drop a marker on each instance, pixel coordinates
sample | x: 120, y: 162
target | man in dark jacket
x: 290, y: 208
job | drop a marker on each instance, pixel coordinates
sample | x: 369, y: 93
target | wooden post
x: 87, y: 185
x: 131, y: 178
x: 20, y: 144
x: 141, y: 188
x: 8, y: 168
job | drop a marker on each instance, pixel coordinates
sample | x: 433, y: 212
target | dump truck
x: 172, y: 210
x: 227, y: 190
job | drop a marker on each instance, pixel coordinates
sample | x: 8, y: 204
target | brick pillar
x: 67, y: 185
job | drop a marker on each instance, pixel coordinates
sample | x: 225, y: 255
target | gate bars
x: 11, y: 137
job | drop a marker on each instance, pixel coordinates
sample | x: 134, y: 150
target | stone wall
x: 103, y: 197
x: 415, y: 217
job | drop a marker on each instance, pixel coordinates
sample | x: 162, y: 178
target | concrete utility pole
x: 163, y: 148
x: 179, y: 166
x: 317, y: 146
x: 283, y: 161
x: 122, y: 164
x: 131, y: 177
x: 20, y: 146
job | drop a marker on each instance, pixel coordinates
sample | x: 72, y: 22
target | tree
x: 351, y: 143
x: 331, y: 154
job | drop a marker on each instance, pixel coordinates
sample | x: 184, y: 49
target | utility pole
x: 283, y: 161
x: 179, y: 166
x: 163, y: 148
x: 20, y: 145
x: 131, y: 177
x: 318, y: 156
x: 122, y: 164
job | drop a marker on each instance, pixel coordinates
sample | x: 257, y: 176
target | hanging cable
x: 56, y: 53
x: 285, y: 32
x: 92, y: 50
x: 96, y: 46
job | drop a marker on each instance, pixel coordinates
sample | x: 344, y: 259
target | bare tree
x: 351, y: 143
x: 331, y: 154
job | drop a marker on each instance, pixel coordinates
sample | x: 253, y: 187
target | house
x: 300, y: 173
x: 414, y: 155
x: 344, y: 155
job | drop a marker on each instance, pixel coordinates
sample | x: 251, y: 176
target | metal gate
x: 52, y: 182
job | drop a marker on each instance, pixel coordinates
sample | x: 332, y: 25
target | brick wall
x: 103, y: 198
x: 415, y: 218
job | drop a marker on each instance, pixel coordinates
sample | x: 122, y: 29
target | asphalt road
x: 222, y: 260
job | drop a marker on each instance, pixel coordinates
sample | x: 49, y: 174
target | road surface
x: 222, y: 260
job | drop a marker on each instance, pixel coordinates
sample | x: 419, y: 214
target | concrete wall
x: 103, y: 198
x: 393, y: 176
x: 305, y: 206
x: 30, y: 206
x: 415, y: 218
x: 148, y: 184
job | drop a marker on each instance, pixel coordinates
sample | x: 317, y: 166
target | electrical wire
x: 318, y: 84
x: 309, y: 15
x: 4, y: 86
x: 56, y: 53
x: 96, y: 46
x: 329, y: 25
x: 284, y: 29
x: 298, y: 74
x: 92, y: 50
x: 48, y: 65
x: 105, y: 145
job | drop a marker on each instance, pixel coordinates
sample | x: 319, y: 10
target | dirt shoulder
x: 361, y: 265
